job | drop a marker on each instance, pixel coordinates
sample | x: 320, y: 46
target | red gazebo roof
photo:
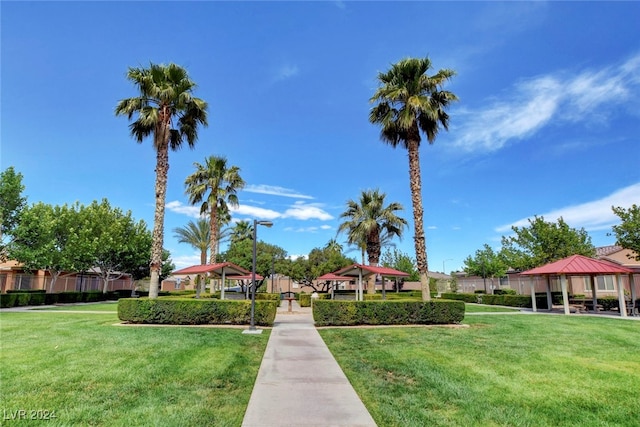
x: 366, y: 270
x: 332, y: 276
x: 577, y: 265
x: 231, y: 269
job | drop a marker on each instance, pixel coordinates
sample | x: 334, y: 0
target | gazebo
x: 222, y: 270
x: 363, y: 271
x: 579, y: 265
x: 332, y: 277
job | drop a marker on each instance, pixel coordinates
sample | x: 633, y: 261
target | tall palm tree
x: 410, y: 101
x: 242, y: 230
x: 215, y: 186
x: 333, y: 245
x: 166, y: 109
x: 195, y: 234
x: 369, y: 219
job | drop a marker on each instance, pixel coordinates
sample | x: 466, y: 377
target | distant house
x: 14, y: 277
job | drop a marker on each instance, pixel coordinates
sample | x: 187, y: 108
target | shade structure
x: 580, y: 265
x: 332, y: 276
x: 223, y: 270
x: 228, y: 268
x: 355, y: 270
x: 362, y: 271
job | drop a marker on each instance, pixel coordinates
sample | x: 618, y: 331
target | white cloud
x: 304, y: 211
x: 178, y: 207
x: 275, y: 191
x: 594, y: 215
x: 286, y: 71
x: 255, y: 212
x: 585, y: 97
x: 183, y: 261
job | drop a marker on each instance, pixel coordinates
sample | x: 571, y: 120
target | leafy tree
x: 167, y: 265
x: 215, y: 185
x: 305, y: 270
x: 544, y: 242
x: 12, y: 203
x: 400, y: 261
x: 409, y: 101
x: 166, y: 109
x: 195, y: 234
x: 368, y: 219
x: 47, y: 239
x: 333, y: 245
x: 486, y: 264
x: 628, y: 231
x: 114, y: 243
x: 267, y: 255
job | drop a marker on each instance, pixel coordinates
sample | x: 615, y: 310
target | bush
x: 26, y: 291
x: 69, y: 297
x: 342, y: 313
x: 504, y: 292
x: 50, y: 299
x: 8, y: 300
x: 93, y: 296
x: 188, y: 311
x: 609, y: 303
x: 37, y: 298
x: 470, y: 298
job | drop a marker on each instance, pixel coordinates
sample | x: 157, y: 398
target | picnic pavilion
x: 579, y: 265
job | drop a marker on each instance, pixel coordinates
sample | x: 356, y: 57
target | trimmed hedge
x: 190, y: 311
x: 523, y: 301
x: 305, y: 299
x: 348, y: 313
x: 26, y: 291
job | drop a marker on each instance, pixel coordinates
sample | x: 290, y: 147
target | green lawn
x: 101, y: 306
x: 523, y: 370
x: 91, y: 372
x: 475, y: 308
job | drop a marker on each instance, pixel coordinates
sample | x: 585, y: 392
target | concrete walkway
x: 299, y: 382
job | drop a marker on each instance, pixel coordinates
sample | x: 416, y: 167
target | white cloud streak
x: 535, y: 103
x: 593, y: 216
x: 299, y: 210
x: 275, y: 191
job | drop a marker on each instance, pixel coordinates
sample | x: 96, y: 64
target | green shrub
x: 341, y: 313
x: 304, y: 300
x: 609, y: 303
x: 504, y: 292
x: 26, y: 291
x: 189, y: 311
x: 372, y: 297
x: 23, y: 300
x: 470, y: 298
x: 69, y: 297
x: 93, y: 296
x: 8, y: 300
x: 50, y: 299
x: 37, y: 298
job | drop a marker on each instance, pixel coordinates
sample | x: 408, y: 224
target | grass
x: 100, y: 306
x: 523, y: 370
x: 91, y: 372
x: 475, y: 308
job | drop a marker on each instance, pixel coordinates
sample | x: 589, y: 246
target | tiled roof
x: 230, y: 269
x: 353, y: 270
x: 607, y: 250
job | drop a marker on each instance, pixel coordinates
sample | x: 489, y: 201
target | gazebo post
x: 222, y: 286
x: 632, y: 288
x: 359, y: 291
x: 534, y: 305
x: 549, y: 297
x: 621, y: 303
x: 594, y: 297
x: 565, y: 295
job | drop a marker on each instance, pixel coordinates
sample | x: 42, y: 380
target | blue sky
x: 548, y: 121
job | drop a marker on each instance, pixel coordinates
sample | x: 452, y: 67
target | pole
x: 252, y: 326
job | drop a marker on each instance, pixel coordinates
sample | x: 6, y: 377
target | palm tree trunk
x: 162, y: 170
x: 418, y: 214
x: 213, y: 233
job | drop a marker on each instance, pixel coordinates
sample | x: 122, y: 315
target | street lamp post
x: 252, y: 326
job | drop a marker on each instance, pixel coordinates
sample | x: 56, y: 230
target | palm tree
x: 410, y: 101
x: 333, y: 245
x: 215, y: 185
x: 195, y: 234
x: 368, y: 220
x: 242, y: 230
x: 166, y: 109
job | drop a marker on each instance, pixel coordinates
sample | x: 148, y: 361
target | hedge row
x: 504, y: 299
x: 347, y: 313
x: 15, y: 298
x: 190, y: 311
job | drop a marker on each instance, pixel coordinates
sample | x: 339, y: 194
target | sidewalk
x: 299, y: 382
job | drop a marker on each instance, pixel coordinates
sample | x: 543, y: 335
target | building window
x: 603, y: 283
